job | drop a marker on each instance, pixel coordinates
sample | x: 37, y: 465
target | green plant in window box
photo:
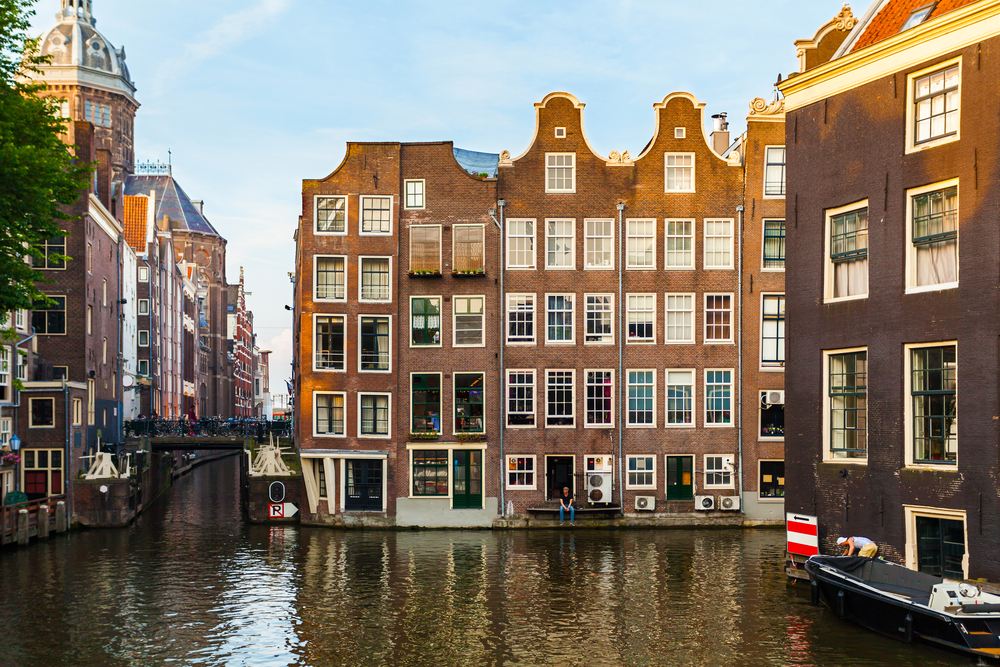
x: 424, y: 435
x: 475, y: 272
x: 425, y: 273
x: 471, y: 437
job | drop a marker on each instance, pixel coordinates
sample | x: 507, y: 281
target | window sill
x: 521, y: 426
x: 521, y: 488
x: 770, y: 438
x: 932, y: 143
x: 772, y: 270
x: 841, y: 299
x: 850, y: 462
x: 772, y: 369
x: 329, y: 435
x: 923, y: 289
x: 425, y: 347
x: 770, y: 499
x: 933, y: 467
x: 317, y: 232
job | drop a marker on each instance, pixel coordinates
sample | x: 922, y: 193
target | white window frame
x: 765, y: 366
x: 606, y: 339
x: 382, y: 316
x: 613, y: 399
x: 572, y: 388
x: 315, y: 331
x: 376, y: 436
x: 534, y: 318
x: 407, y: 195
x: 572, y: 167
x: 908, y: 408
x: 667, y: 167
x: 316, y: 231
x: 572, y: 318
x: 628, y: 421
x: 911, y: 110
x: 829, y: 214
x: 763, y: 248
x: 706, y: 224
x: 440, y: 245
x: 666, y: 397
x: 328, y: 299
x: 142, y: 368
x: 361, y: 215
x: 828, y: 456
x: 560, y: 133
x: 911, y: 249
x: 628, y: 461
x: 143, y: 307
x: 733, y: 411
x: 680, y: 132
x: 510, y: 224
x: 732, y: 319
x: 534, y: 397
x: 143, y: 274
x: 571, y: 265
x: 361, y: 274
x: 910, y: 514
x: 409, y: 331
x: 590, y: 239
x: 727, y: 460
x: 513, y: 459
x: 5, y: 431
x: 455, y: 315
x: 454, y: 241
x: 315, y: 411
x: 644, y: 298
x: 761, y: 395
x: 632, y: 236
x: 767, y: 150
x: 141, y: 333
x: 666, y: 318
x: 21, y: 319
x: 22, y: 365
x: 666, y: 243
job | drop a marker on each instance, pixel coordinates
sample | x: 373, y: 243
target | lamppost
x: 15, y: 445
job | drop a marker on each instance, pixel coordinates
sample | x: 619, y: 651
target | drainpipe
x: 739, y: 338
x: 503, y: 373
x: 621, y: 349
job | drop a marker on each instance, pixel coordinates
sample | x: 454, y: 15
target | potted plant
x: 424, y: 435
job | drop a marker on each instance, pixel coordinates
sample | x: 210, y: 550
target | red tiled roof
x: 892, y: 17
x: 135, y: 221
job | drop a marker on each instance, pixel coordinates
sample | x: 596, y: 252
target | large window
x: 50, y: 319
x: 642, y: 398
x: 772, y: 480
x: 936, y: 103
x: 376, y: 215
x: 679, y: 251
x: 600, y: 398
x: 375, y: 279
x: 520, y: 244
x: 425, y: 402
x: 560, y: 244
x: 331, y: 278
x: 414, y: 191
x: 469, y: 405
x: 679, y: 172
x: 599, y: 244
x: 718, y: 318
x: 425, y: 249
x: 848, y: 253
x: 718, y: 398
x: 468, y: 248
x: 559, y: 318
x: 430, y: 472
x: 330, y: 413
x: 521, y: 398
x: 641, y: 244
x: 52, y: 250
x: 425, y: 321
x: 331, y: 215
x: 43, y: 473
x: 374, y: 343
x: 641, y: 472
x: 330, y: 343
x: 718, y: 244
x: 934, y: 404
x: 680, y: 398
x: 772, y: 331
x: 468, y: 327
x: 774, y: 244
x: 600, y: 315
x: 560, y: 172
x: 520, y: 318
x: 559, y: 401
x: 718, y: 472
x: 641, y: 318
x: 933, y: 253
x: 848, y: 404
x: 774, y: 171
x: 521, y: 472
x: 374, y: 415
x: 679, y: 318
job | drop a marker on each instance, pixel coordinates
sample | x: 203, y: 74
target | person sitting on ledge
x: 566, y: 503
x: 866, y: 548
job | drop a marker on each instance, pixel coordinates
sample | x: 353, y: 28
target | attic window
x: 560, y: 133
x: 679, y: 132
x: 918, y: 16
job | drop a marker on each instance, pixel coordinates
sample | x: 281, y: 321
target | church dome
x: 75, y: 41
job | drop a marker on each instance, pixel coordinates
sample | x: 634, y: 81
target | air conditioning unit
x: 599, y: 477
x: 645, y: 503
x: 775, y: 397
x: 704, y: 503
x: 729, y: 502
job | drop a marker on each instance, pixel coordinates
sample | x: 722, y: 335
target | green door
x: 940, y: 547
x: 679, y: 478
x: 467, y: 479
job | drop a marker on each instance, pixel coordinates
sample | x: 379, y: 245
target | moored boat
x: 908, y: 605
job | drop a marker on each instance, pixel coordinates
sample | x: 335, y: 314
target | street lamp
x: 15, y: 443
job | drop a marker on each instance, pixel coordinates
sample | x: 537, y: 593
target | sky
x: 253, y: 96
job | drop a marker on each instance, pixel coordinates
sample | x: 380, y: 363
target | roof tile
x: 135, y: 221
x: 892, y: 17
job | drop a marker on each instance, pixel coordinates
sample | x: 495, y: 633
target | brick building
x: 239, y: 322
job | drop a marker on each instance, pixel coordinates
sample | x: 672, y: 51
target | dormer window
x: 918, y: 16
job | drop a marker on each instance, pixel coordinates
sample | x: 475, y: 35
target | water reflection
x: 191, y: 584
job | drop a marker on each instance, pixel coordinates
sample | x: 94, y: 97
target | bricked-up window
x: 600, y: 397
x: 376, y: 215
x: 425, y: 321
x: 521, y: 472
x: 430, y: 472
x: 774, y: 244
x: 414, y: 194
x: 718, y: 318
x: 680, y: 398
x: 330, y: 413
x: 331, y: 278
x: 52, y: 252
x: 468, y: 326
x: 772, y: 331
x: 600, y: 315
x: 599, y: 246
x: 559, y: 318
x: 469, y: 404
x: 560, y: 244
x: 679, y: 251
x: 718, y: 244
x: 774, y: 171
x: 641, y: 244
x: 849, y: 254
x: 641, y: 398
x: 51, y: 318
x: 520, y: 318
x: 718, y: 472
x: 641, y: 472
x: 934, y: 404
x: 468, y: 248
x: 559, y: 401
x: 718, y: 398
x: 331, y: 215
x: 933, y: 259
x: 936, y: 102
x: 679, y: 172
x: 374, y: 414
x: 375, y: 279
x: 425, y: 249
x: 641, y: 318
x: 679, y: 318
x: 374, y: 343
x: 848, y: 400
x: 520, y: 244
x: 425, y: 402
x: 329, y: 343
x: 42, y: 412
x: 521, y: 398
x: 560, y: 172
x: 772, y: 479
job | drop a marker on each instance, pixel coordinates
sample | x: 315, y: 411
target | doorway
x: 467, y: 479
x: 559, y: 472
x: 941, y: 546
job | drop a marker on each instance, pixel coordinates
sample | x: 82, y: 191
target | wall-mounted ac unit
x: 599, y: 471
x: 729, y: 502
x: 645, y: 503
x: 774, y: 397
x: 704, y: 503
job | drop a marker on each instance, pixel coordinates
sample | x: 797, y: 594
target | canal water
x: 192, y: 584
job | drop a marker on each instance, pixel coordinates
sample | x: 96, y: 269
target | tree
x: 39, y: 176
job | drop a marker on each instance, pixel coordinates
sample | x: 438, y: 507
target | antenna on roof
x: 169, y: 155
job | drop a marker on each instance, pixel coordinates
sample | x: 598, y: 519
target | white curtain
x: 937, y: 263
x: 850, y: 278
x: 382, y: 342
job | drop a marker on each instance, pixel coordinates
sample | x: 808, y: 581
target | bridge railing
x: 207, y: 428
x: 9, y: 513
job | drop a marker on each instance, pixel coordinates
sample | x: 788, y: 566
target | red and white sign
x: 803, y: 534
x: 281, y: 510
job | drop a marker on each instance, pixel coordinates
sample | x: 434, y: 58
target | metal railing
x: 206, y: 428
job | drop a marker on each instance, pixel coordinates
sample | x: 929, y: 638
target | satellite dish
x: 128, y: 381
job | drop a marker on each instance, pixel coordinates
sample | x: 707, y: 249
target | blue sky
x: 253, y: 96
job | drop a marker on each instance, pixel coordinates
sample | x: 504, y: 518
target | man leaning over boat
x: 866, y: 548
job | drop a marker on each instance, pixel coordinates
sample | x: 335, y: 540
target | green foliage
x: 38, y: 173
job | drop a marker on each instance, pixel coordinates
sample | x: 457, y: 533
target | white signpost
x: 282, y: 510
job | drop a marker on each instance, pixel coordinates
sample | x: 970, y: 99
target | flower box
x: 471, y: 437
x: 424, y: 435
x: 425, y: 274
x: 468, y: 274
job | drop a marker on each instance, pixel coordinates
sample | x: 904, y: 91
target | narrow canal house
x: 431, y: 398
x: 893, y: 255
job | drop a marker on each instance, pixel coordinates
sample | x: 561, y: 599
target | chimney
x: 199, y: 204
x: 720, y: 133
